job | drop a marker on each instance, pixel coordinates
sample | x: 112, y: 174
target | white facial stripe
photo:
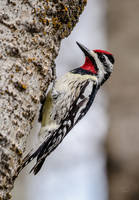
x: 109, y: 63
x: 99, y: 65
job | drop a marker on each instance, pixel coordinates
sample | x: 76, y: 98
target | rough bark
x: 123, y: 137
x: 30, y: 36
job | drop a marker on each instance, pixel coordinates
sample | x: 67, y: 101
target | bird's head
x: 98, y: 62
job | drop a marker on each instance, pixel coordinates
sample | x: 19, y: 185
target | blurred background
x: 99, y: 159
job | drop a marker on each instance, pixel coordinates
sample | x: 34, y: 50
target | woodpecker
x: 68, y: 102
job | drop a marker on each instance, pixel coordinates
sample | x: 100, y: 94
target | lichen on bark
x: 30, y: 36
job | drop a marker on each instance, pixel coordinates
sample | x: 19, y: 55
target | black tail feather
x: 37, y: 167
x: 28, y: 158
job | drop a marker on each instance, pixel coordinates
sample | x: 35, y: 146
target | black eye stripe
x: 102, y: 57
x: 111, y: 58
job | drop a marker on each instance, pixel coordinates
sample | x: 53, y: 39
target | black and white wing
x: 71, y: 115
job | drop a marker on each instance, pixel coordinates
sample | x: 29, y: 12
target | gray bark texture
x: 30, y: 36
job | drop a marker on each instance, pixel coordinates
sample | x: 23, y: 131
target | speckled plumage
x: 68, y: 101
x: 61, y: 98
x: 64, y: 107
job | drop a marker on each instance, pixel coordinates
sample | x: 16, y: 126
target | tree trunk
x: 123, y: 137
x: 30, y: 36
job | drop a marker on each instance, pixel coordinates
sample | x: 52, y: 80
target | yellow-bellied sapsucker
x: 69, y: 100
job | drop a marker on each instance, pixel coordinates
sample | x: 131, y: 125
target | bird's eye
x: 103, y: 58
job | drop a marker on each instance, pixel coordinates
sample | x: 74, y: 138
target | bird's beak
x: 85, y: 50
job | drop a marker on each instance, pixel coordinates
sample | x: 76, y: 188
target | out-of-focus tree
x: 30, y: 36
x: 123, y: 137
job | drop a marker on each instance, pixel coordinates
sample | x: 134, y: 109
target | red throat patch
x: 88, y: 65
